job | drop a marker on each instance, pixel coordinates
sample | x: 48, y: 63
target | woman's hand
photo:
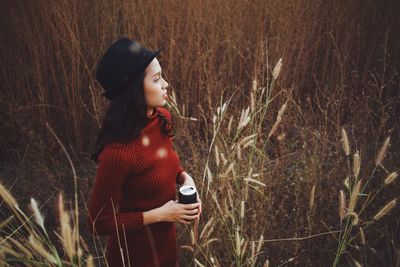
x: 172, y: 211
x: 199, y: 201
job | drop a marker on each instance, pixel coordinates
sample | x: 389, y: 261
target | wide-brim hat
x: 120, y: 64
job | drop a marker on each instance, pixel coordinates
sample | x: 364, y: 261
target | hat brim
x: 111, y: 94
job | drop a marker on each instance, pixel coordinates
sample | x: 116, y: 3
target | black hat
x: 118, y: 66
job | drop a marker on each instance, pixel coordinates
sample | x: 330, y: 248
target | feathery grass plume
x: 278, y: 120
x: 385, y: 210
x: 391, y: 177
x: 342, y: 204
x: 89, y: 261
x: 242, y: 209
x: 230, y: 125
x: 255, y: 85
x: 38, y: 247
x: 362, y: 236
x: 277, y: 69
x: 239, y: 152
x: 355, y: 217
x: 260, y: 242
x: 246, y: 138
x: 356, y: 263
x: 382, y: 152
x: 8, y: 198
x: 36, y: 214
x: 66, y: 232
x: 237, y: 238
x: 354, y: 196
x: 224, y: 160
x: 356, y: 164
x: 216, y: 155
x: 345, y: 142
x: 312, y: 196
x: 252, y: 102
x: 244, y: 118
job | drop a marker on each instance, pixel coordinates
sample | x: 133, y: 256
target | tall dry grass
x: 265, y: 152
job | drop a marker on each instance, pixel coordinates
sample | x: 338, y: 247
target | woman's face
x: 154, y: 85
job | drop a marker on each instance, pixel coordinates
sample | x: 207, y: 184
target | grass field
x: 286, y: 116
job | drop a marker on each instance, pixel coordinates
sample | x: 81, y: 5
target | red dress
x: 136, y: 177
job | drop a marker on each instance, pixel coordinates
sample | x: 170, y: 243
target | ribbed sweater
x: 136, y: 177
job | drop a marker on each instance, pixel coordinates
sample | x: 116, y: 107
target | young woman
x: 133, y: 196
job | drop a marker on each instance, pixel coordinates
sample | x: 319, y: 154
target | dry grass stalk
x: 382, y: 152
x: 391, y: 177
x: 356, y: 164
x: 362, y: 236
x: 244, y: 249
x: 22, y: 248
x: 242, y: 209
x: 385, y: 210
x: 342, y: 204
x: 208, y: 224
x: 6, y: 222
x: 312, y: 197
x: 266, y: 264
x: 38, y: 247
x: 345, y: 142
x: 209, y: 241
x: 254, y: 181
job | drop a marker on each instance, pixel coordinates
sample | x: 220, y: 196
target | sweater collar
x: 152, y: 116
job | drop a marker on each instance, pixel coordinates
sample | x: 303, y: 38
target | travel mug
x: 187, y: 194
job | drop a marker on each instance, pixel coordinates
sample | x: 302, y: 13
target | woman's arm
x: 104, y: 217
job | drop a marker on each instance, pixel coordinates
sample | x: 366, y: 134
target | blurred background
x: 339, y: 72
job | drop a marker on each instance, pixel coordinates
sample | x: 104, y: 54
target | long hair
x: 126, y: 116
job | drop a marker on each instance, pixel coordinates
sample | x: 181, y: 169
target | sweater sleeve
x: 179, y: 179
x: 107, y: 190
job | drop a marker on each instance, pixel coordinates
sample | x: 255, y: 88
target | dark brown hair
x: 125, y: 117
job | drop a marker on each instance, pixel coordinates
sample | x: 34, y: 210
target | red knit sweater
x: 136, y: 177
